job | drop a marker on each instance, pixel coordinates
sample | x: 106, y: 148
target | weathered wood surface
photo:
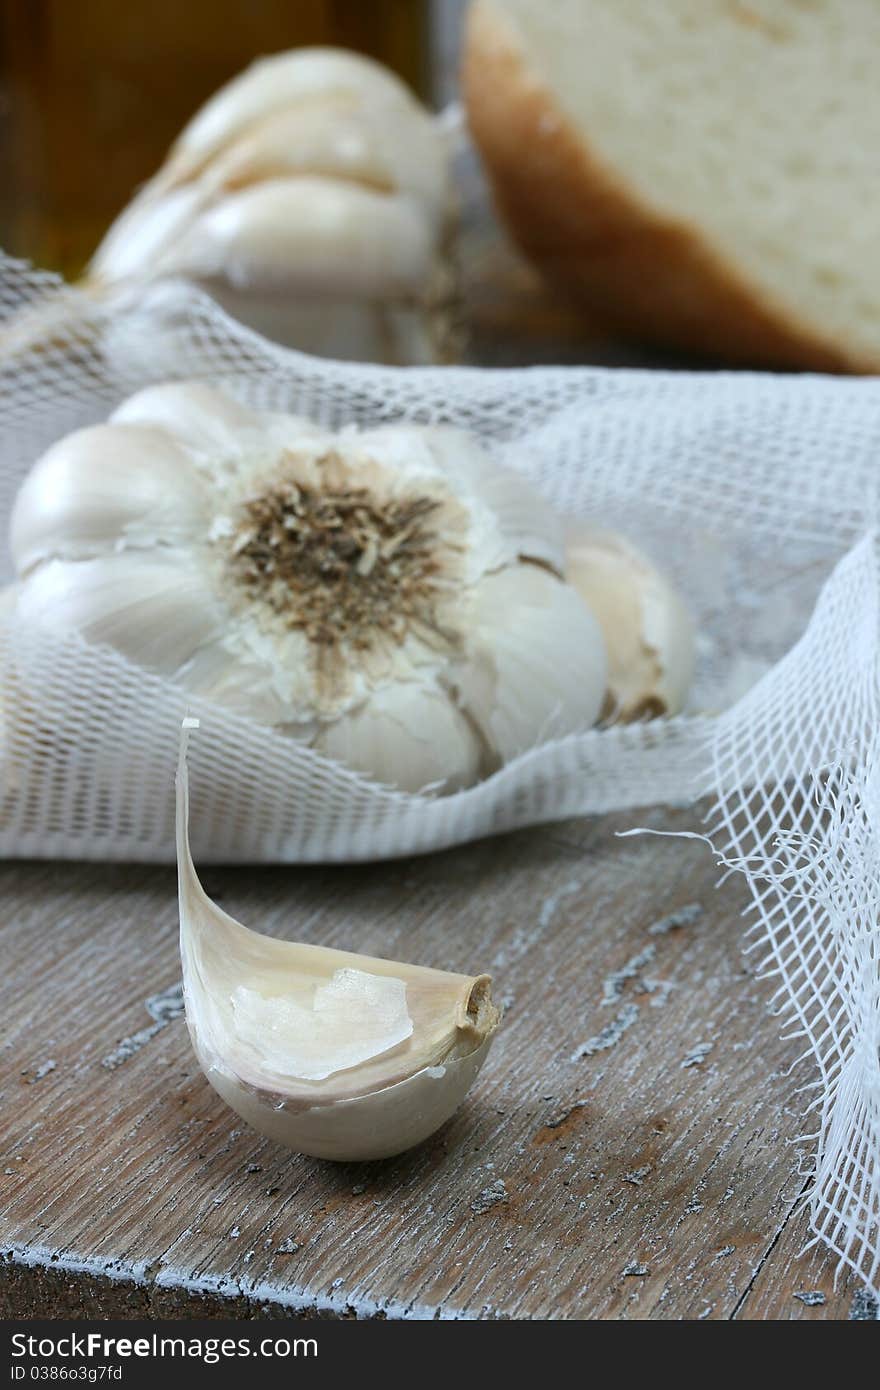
x: 636, y: 1106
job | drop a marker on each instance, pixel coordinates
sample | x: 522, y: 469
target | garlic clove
x: 144, y: 230
x: 326, y: 237
x: 410, y: 736
x: 241, y: 681
x: 224, y: 437
x: 333, y: 1054
x: 100, y: 485
x: 272, y: 83
x: 536, y: 667
x: 157, y: 611
x: 199, y: 417
x: 332, y: 139
x: 648, y: 632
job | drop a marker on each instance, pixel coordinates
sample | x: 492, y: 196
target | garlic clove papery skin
x: 389, y: 597
x: 157, y: 612
x: 78, y: 499
x: 144, y: 231
x: 411, y: 737
x: 220, y: 435
x: 332, y: 138
x: 312, y: 198
x: 269, y: 85
x: 317, y: 237
x: 333, y: 1054
x: 537, y: 668
x: 204, y: 420
x: 648, y: 632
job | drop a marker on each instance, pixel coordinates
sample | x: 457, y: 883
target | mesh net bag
x: 758, y: 494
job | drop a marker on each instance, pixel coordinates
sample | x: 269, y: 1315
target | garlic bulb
x: 648, y: 633
x: 336, y: 1055
x: 389, y: 596
x: 312, y: 197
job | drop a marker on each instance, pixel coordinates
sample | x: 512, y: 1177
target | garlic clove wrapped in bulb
x: 333, y: 1054
x: 203, y: 420
x: 410, y: 735
x: 649, y: 635
x: 270, y: 84
x: 312, y: 197
x: 537, y: 661
x: 156, y: 611
x: 345, y: 242
x: 332, y: 138
x: 76, y: 500
x: 390, y: 597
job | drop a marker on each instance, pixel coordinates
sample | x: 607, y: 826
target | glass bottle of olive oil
x: 93, y: 92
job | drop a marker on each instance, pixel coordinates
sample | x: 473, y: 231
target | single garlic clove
x: 648, y: 632
x: 340, y: 140
x: 80, y: 498
x: 322, y: 236
x: 152, y: 608
x: 267, y: 86
x: 197, y: 416
x: 144, y: 230
x: 218, y: 431
x: 333, y: 1054
x: 409, y: 736
x: 536, y: 667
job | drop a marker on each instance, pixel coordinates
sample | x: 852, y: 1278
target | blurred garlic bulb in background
x: 649, y: 635
x: 337, y: 1055
x: 311, y: 196
x: 390, y: 596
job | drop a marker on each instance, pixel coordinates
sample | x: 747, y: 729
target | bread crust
x: 648, y: 276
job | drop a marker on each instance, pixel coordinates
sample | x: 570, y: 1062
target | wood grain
x: 798, y: 1283
x: 636, y: 1109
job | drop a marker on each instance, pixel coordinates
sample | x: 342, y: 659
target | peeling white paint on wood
x: 138, y: 1175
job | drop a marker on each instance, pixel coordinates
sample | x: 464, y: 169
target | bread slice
x: 703, y: 173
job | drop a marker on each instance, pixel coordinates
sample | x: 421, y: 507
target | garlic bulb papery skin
x: 332, y: 1054
x: 648, y: 632
x: 312, y: 197
x: 388, y: 596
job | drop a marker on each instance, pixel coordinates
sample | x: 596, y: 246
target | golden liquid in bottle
x: 93, y: 93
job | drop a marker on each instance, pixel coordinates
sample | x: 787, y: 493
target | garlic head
x: 389, y: 596
x: 312, y: 197
x: 330, y: 1053
x: 649, y: 635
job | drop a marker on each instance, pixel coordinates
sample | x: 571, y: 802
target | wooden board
x: 636, y: 1108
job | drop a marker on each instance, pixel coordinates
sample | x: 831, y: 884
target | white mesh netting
x: 757, y: 493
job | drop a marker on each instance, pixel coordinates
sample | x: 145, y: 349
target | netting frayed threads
x: 797, y: 777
